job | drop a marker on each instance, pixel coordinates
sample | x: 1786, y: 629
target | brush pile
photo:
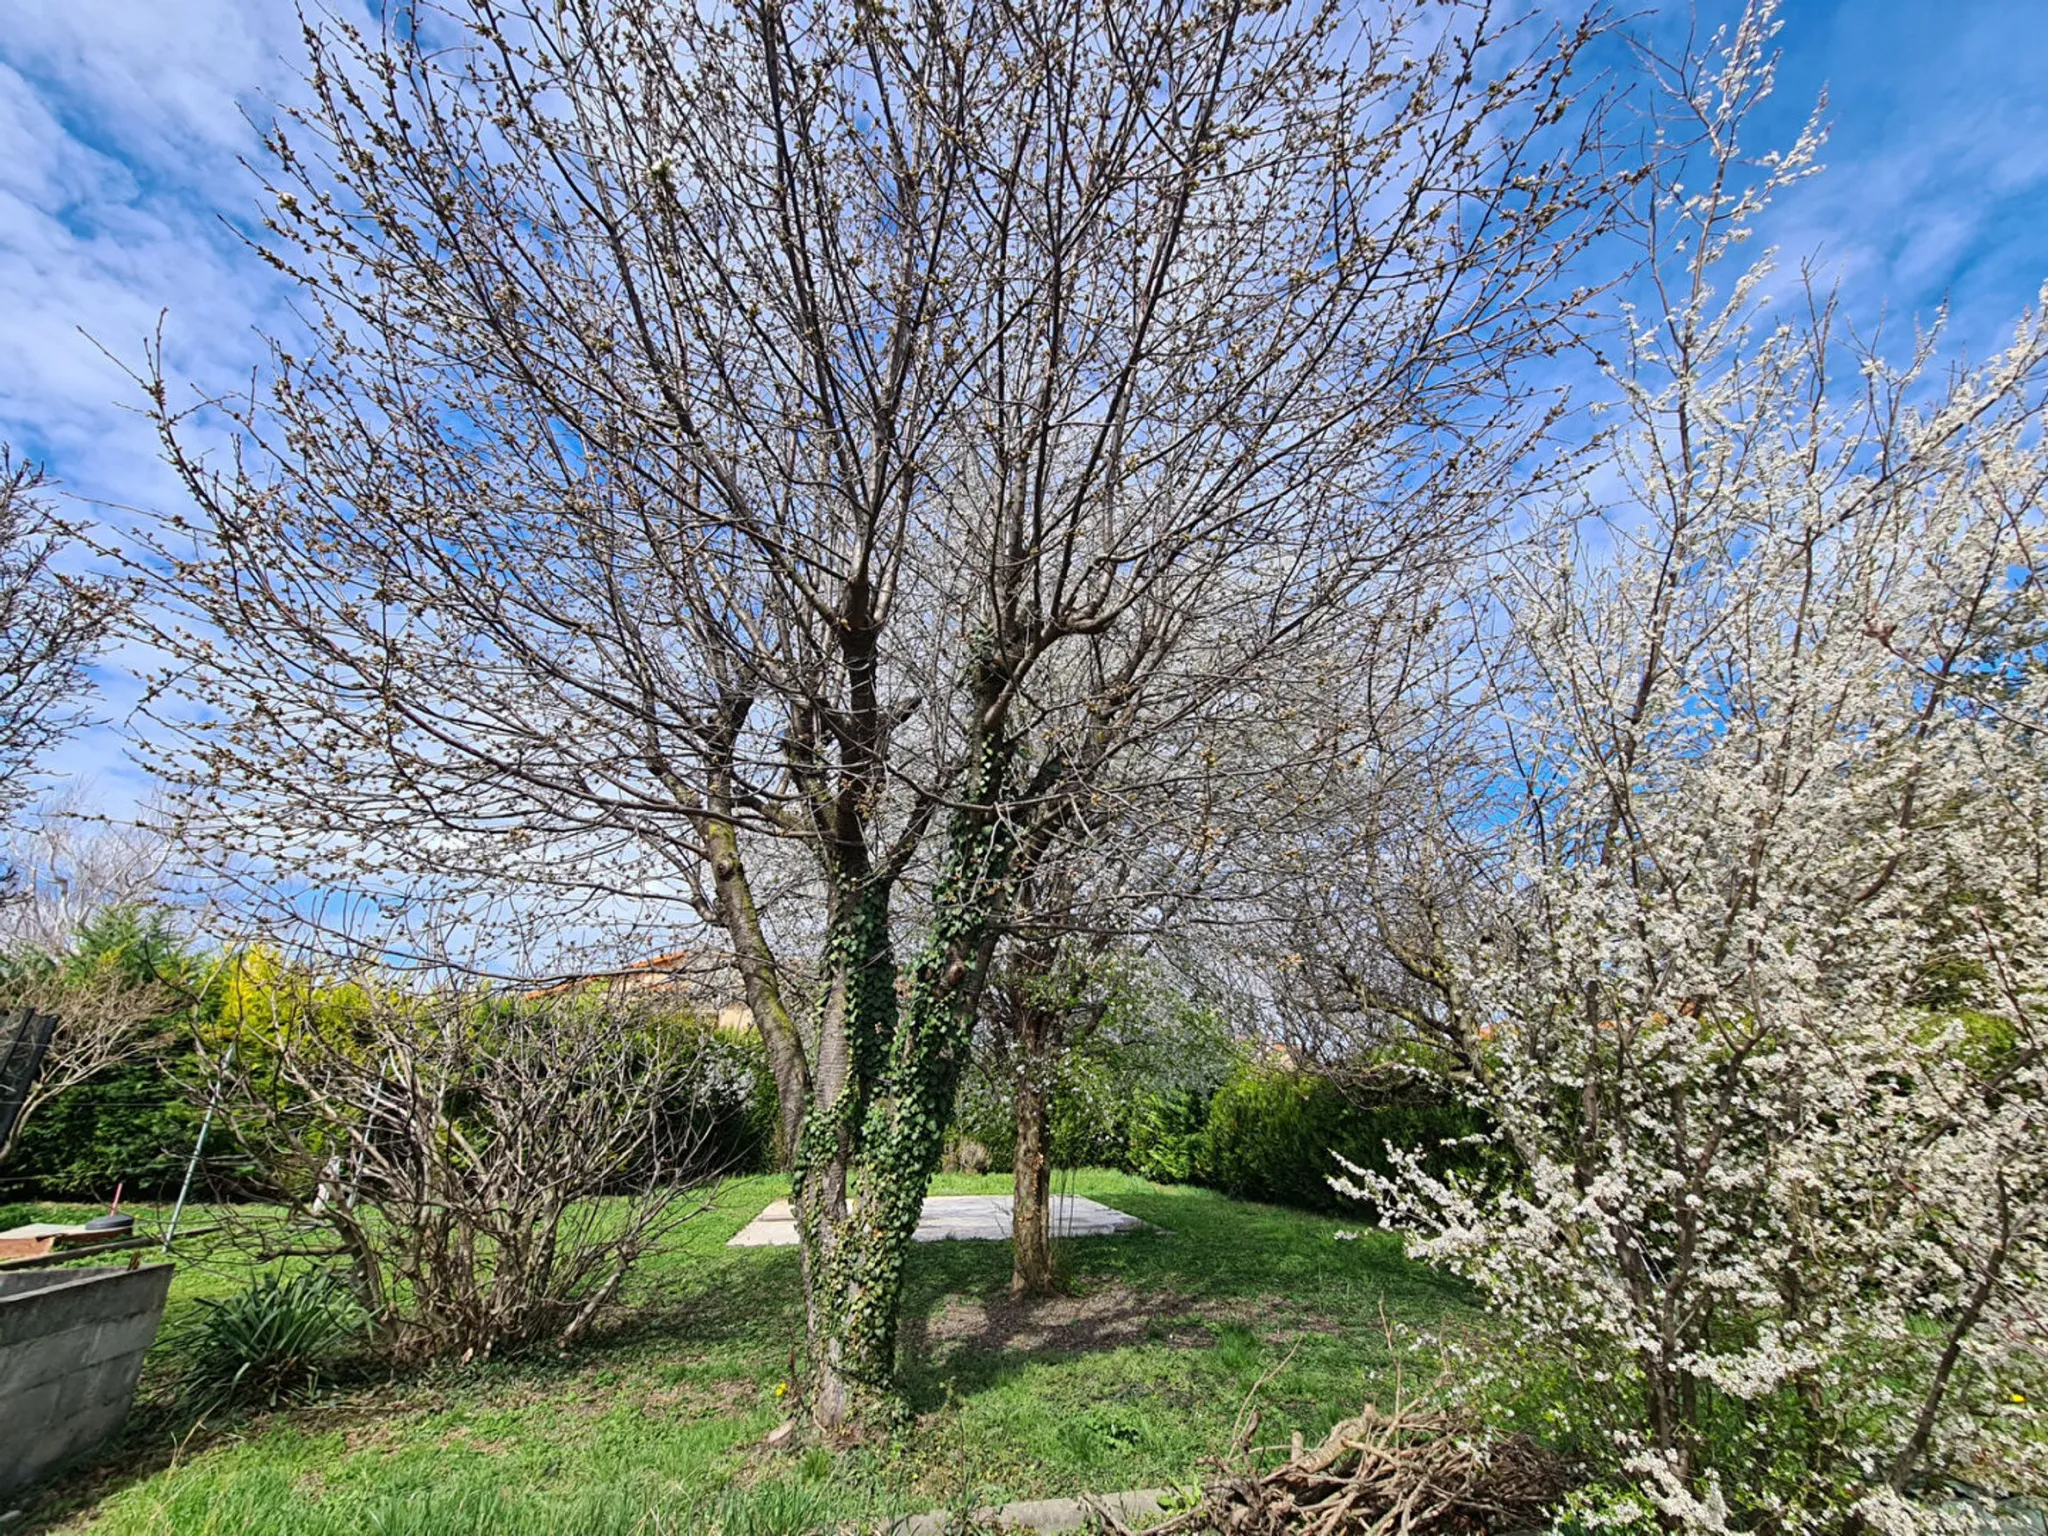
x: 1425, y: 1473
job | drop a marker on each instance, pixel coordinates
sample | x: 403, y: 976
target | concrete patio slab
x: 973, y: 1218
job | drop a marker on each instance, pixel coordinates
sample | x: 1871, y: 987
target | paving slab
x: 970, y: 1218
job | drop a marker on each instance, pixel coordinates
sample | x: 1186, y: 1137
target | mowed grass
x: 1166, y: 1341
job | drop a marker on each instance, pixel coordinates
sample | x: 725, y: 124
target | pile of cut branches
x: 1388, y: 1474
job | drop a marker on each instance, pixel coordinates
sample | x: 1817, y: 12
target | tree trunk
x: 851, y: 1342
x: 762, y: 988
x: 1031, y: 1273
x: 856, y: 1212
x: 871, y: 1142
x: 836, y: 1196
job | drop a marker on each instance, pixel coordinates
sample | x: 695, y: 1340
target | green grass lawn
x: 1128, y: 1381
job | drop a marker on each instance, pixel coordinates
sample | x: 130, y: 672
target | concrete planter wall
x: 71, y: 1347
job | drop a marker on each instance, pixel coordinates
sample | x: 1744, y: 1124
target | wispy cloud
x: 122, y: 132
x: 121, y: 128
x: 1936, y: 188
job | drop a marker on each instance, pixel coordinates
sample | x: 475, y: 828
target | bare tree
x: 72, y: 874
x: 95, y: 1011
x: 842, y: 448
x: 1251, y: 873
x: 69, y: 862
x: 1083, y: 923
x: 1033, y: 1006
x: 50, y: 623
x: 1344, y: 945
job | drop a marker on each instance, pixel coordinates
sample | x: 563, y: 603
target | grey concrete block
x: 90, y: 1428
x: 71, y: 1348
x: 78, y: 1393
x: 58, y: 1299
x: 30, y: 1412
x: 123, y: 1336
x: 34, y: 1361
x: 117, y: 1380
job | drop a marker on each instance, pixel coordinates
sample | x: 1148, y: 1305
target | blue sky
x: 122, y: 126
x: 1937, y: 179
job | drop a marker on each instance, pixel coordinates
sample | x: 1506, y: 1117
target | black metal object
x: 27, y: 1038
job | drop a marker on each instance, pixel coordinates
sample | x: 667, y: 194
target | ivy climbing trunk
x: 832, y: 1185
x: 892, y: 1048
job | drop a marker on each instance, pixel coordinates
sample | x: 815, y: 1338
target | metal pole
x: 206, y: 1121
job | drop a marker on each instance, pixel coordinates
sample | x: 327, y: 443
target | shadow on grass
x: 1212, y: 1247
x: 1172, y: 1328
x: 1247, y: 1286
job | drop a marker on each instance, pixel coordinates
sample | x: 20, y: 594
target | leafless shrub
x: 80, y: 938
x: 106, y: 1017
x: 493, y: 1167
x: 66, y: 862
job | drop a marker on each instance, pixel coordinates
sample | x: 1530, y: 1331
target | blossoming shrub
x: 1756, y: 992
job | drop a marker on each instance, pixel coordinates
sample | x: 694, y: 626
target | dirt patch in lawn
x: 463, y: 1438
x: 1109, y: 1318
x: 1275, y: 1319
x: 701, y: 1399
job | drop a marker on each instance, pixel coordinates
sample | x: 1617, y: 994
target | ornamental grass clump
x: 277, y: 1340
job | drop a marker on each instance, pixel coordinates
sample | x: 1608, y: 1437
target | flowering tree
x: 822, y: 448
x: 1757, y: 994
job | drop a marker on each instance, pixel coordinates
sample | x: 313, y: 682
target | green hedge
x: 1270, y: 1134
x: 133, y: 1126
x: 737, y: 1106
x: 1168, y: 1138
x: 1265, y: 1133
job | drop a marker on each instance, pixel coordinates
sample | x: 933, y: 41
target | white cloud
x: 122, y: 131
x: 1937, y: 165
x: 122, y: 123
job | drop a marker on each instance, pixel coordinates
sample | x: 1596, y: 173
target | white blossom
x: 1757, y: 998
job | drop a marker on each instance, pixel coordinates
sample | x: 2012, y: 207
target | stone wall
x: 71, y: 1347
